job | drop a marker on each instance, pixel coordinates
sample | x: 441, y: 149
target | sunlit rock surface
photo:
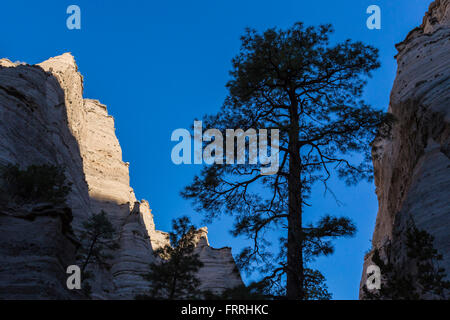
x: 45, y: 119
x: 412, y: 171
x: 219, y: 271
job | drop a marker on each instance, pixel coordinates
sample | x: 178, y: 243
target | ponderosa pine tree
x: 98, y: 238
x: 174, y: 275
x: 293, y: 80
x: 97, y: 243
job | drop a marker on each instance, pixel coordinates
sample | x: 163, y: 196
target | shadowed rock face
x: 412, y: 171
x: 37, y: 246
x: 44, y: 119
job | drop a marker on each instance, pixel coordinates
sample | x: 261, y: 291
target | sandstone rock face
x: 37, y: 246
x: 412, y: 170
x: 44, y: 119
x: 34, y: 127
x: 219, y: 271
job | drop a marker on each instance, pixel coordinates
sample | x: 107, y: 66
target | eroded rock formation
x: 219, y: 271
x: 44, y: 119
x: 412, y: 170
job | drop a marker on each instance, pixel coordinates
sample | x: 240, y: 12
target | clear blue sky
x: 157, y: 65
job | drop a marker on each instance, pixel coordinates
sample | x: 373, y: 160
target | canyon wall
x: 412, y: 169
x: 44, y: 119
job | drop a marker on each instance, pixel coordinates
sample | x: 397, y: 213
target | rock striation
x: 44, y: 119
x: 37, y: 246
x: 412, y: 169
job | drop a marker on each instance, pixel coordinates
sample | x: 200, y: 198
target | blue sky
x: 157, y: 65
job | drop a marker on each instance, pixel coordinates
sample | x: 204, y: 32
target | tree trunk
x: 86, y: 262
x: 295, y: 272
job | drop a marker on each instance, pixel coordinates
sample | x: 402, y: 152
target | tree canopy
x: 298, y: 82
x: 173, y: 275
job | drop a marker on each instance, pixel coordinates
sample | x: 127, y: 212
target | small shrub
x: 37, y: 183
x: 427, y: 281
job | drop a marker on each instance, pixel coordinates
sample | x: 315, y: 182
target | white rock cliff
x: 45, y: 119
x: 412, y: 170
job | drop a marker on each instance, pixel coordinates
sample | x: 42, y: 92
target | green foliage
x: 315, y: 286
x: 97, y: 237
x: 431, y: 277
x: 426, y: 280
x: 317, y: 238
x: 173, y: 276
x: 37, y: 183
x: 98, y: 240
x: 296, y: 81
